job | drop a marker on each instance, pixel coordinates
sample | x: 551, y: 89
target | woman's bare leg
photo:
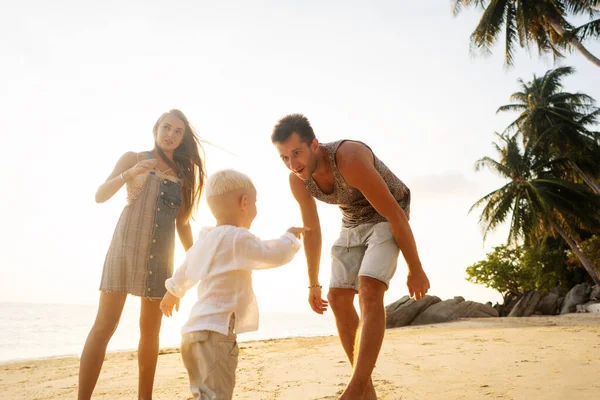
x: 92, y: 357
x: 150, y: 320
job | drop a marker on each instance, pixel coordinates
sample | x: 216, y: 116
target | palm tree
x: 560, y: 123
x: 537, y: 203
x: 541, y: 23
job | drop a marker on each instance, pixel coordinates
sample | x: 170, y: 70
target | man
x: 375, y: 205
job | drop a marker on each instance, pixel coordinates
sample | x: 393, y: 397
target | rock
x: 508, y: 306
x: 403, y: 311
x: 595, y: 295
x: 498, y: 307
x: 593, y: 308
x: 548, y: 304
x: 579, y: 294
x: 450, y: 310
x: 526, y: 305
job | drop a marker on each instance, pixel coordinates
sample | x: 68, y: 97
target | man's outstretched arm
x: 312, y: 242
x: 355, y: 163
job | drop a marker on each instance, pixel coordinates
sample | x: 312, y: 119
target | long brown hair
x: 188, y: 162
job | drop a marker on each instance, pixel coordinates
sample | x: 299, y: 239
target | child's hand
x: 167, y: 304
x: 298, y: 232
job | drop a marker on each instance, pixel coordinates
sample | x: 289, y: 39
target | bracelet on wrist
x: 123, y: 176
x: 315, y: 286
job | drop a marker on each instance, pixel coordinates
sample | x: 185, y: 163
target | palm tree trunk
x: 590, y: 180
x: 575, y: 247
x: 576, y: 43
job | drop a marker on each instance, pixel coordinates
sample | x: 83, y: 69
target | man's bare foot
x: 370, y: 393
x: 353, y: 392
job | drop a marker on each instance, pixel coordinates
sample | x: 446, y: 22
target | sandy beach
x: 501, y: 358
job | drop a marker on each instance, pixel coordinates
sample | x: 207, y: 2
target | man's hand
x: 418, y: 283
x: 318, y: 304
x: 167, y: 304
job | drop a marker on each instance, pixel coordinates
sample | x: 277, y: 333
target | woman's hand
x: 140, y: 168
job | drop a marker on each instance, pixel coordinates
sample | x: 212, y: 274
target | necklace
x: 160, y: 171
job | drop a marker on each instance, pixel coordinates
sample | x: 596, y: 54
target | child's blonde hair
x: 226, y: 180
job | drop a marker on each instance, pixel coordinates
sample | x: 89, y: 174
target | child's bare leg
x: 150, y: 320
x: 92, y: 357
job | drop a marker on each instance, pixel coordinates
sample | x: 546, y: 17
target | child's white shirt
x: 221, y: 262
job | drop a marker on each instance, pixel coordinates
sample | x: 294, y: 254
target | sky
x: 83, y: 82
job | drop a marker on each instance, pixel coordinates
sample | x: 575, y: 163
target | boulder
x: 508, y: 305
x: 579, y: 294
x: 548, y: 304
x: 595, y: 295
x: 403, y: 311
x: 498, y: 307
x: 526, y: 305
x: 450, y: 310
x: 593, y: 308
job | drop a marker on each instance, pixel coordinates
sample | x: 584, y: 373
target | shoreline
x: 553, y: 357
x: 166, y: 349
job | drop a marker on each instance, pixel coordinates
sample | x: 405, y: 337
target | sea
x: 34, y: 331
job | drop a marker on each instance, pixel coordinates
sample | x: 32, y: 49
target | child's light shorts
x: 210, y: 359
x: 365, y: 250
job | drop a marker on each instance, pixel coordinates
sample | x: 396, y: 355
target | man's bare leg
x: 347, y: 322
x: 346, y: 318
x: 370, y: 297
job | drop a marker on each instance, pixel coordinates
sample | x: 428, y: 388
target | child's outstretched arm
x: 262, y: 254
x: 177, y: 286
x: 167, y: 304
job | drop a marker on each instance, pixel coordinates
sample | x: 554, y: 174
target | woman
x: 163, y: 189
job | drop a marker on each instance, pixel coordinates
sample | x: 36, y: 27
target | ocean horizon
x: 37, y: 331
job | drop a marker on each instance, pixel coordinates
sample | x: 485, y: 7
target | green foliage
x: 557, y: 125
x: 544, y: 194
x: 503, y: 271
x: 513, y: 271
x: 549, y: 258
x: 533, y: 201
x: 591, y: 249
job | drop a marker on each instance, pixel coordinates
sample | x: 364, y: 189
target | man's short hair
x: 293, y: 123
x: 226, y: 180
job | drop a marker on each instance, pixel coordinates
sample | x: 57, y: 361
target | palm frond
x: 489, y: 197
x: 511, y: 107
x: 458, y: 5
x: 551, y: 81
x: 490, y: 25
x: 493, y: 165
x: 572, y: 98
x: 590, y: 30
x: 590, y: 119
x: 494, y: 214
x: 511, y: 34
x: 581, y: 7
